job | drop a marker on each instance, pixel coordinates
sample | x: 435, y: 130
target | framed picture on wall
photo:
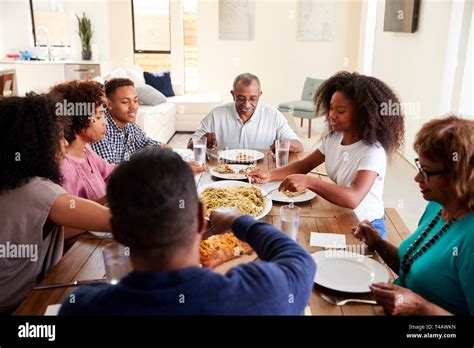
x: 401, y: 15
x: 236, y: 19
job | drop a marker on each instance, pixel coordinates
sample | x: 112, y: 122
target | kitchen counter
x: 40, y: 75
x: 48, y: 62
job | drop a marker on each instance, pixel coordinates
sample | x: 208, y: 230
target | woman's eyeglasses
x: 426, y: 174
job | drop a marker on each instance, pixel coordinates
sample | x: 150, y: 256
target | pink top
x: 86, y: 178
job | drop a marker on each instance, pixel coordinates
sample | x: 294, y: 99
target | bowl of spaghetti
x: 249, y: 199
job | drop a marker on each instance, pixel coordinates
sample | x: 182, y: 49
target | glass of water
x: 282, y: 152
x: 199, y: 146
x: 116, y: 261
x: 290, y: 220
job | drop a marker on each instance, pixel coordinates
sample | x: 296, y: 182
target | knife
x: 74, y: 283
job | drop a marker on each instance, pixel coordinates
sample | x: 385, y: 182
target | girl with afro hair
x: 361, y: 132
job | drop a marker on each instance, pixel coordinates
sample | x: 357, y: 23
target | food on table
x: 246, y: 170
x: 224, y: 169
x: 248, y: 199
x: 289, y: 193
x: 242, y: 156
x: 227, y: 169
x: 221, y: 248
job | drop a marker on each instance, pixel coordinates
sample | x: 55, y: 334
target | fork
x: 270, y: 192
x: 343, y: 302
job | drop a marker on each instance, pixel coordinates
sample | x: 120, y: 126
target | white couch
x: 182, y: 113
x: 191, y: 108
x: 158, y: 122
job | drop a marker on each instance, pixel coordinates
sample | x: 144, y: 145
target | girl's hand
x: 295, y: 183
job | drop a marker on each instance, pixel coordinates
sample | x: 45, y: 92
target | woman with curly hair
x: 84, y: 172
x: 33, y: 205
x: 358, y: 138
x: 436, y: 263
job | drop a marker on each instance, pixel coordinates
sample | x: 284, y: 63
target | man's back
x: 280, y: 284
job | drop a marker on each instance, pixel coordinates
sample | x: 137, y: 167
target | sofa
x: 181, y: 113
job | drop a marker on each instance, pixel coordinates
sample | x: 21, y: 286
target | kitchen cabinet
x: 40, y: 76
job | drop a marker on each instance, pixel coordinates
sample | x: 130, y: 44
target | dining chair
x: 304, y: 107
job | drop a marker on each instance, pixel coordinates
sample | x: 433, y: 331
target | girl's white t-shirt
x: 344, y: 161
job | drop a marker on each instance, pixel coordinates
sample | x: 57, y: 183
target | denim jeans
x: 380, y: 226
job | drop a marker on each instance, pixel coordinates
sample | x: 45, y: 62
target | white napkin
x: 53, y: 309
x: 328, y: 240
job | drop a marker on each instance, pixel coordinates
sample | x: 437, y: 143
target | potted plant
x: 85, y: 33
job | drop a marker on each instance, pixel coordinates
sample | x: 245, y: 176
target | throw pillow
x: 160, y: 81
x: 147, y: 95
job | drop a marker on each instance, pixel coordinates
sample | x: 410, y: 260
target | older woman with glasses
x: 436, y: 263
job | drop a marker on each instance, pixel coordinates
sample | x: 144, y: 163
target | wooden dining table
x: 84, y: 261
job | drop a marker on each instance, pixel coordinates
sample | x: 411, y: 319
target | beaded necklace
x: 409, y: 257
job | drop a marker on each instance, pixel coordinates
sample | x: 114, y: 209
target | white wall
x: 414, y: 64
x: 466, y: 102
x: 120, y: 36
x: 281, y: 62
x: 15, y: 23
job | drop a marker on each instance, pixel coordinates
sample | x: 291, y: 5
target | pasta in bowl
x: 244, y: 196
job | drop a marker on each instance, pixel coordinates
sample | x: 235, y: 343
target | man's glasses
x: 242, y: 100
x: 426, y: 174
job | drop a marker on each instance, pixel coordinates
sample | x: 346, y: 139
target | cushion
x: 99, y: 79
x: 135, y: 74
x: 147, y: 95
x: 116, y: 73
x: 301, y: 105
x: 160, y: 81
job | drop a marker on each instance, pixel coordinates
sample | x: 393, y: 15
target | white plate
x: 236, y: 176
x: 345, y: 271
x: 231, y: 155
x: 101, y: 234
x: 278, y: 196
x: 267, y: 202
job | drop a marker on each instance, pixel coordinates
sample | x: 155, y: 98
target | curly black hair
x: 117, y: 82
x: 76, y: 92
x: 30, y: 141
x: 370, y: 96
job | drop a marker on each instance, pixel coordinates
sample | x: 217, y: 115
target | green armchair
x: 303, y: 108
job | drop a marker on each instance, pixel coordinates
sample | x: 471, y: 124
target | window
x: 151, y: 26
x: 190, y: 46
x: 51, y: 24
x: 151, y: 33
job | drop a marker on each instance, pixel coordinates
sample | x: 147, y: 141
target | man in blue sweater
x: 157, y: 213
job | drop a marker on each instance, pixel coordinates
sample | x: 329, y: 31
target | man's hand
x: 196, y: 168
x: 272, y: 149
x: 222, y: 219
x: 211, y: 140
x: 295, y: 183
x: 396, y: 300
